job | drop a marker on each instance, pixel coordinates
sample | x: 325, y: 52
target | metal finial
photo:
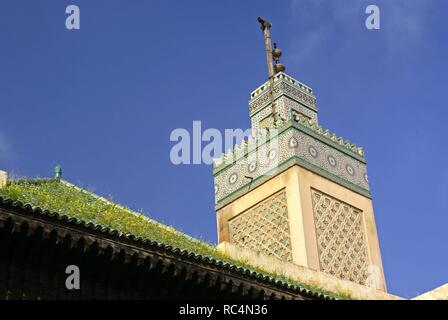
x: 58, y: 172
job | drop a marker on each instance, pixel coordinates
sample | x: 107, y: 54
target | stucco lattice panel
x: 340, y: 238
x: 264, y: 228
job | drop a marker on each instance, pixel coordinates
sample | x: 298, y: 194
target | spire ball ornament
x: 276, y: 53
x: 279, y: 68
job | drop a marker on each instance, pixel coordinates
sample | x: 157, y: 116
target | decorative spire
x: 58, y: 172
x: 265, y: 27
x: 271, y: 57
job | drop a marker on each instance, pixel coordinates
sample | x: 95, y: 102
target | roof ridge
x: 42, y: 181
x: 129, y: 210
x: 31, y: 180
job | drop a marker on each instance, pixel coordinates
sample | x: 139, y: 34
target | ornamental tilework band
x: 340, y: 238
x: 264, y: 228
x: 289, y: 144
x: 283, y: 88
x: 256, y: 164
x: 284, y: 105
x: 331, y: 160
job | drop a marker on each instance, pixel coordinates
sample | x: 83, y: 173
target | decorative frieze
x: 301, y: 123
x: 283, y: 89
x: 291, y: 143
x: 284, y: 107
x: 283, y: 77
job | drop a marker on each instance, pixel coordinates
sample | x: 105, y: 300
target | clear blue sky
x: 102, y: 101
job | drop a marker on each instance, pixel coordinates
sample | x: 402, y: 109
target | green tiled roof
x: 65, y: 199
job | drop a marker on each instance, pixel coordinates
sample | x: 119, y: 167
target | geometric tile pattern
x: 289, y: 95
x: 340, y: 238
x: 284, y: 105
x: 264, y: 228
x: 317, y: 152
x: 294, y: 143
x: 283, y: 85
x: 291, y: 104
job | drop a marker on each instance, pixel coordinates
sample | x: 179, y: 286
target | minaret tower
x: 314, y: 207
